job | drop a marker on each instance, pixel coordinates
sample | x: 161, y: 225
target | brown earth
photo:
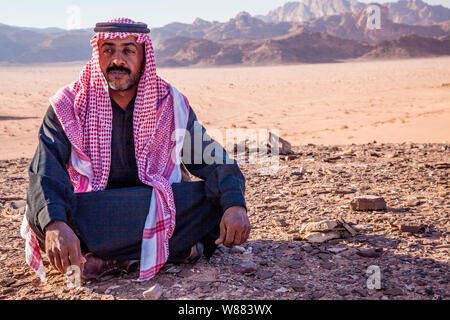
x: 317, y: 183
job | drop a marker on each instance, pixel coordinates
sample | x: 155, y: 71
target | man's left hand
x: 234, y: 227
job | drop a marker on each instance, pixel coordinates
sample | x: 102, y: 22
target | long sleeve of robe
x: 50, y: 195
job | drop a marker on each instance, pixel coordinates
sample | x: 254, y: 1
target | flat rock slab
x: 154, y: 293
x: 321, y: 226
x: 246, y: 267
x: 319, y: 237
x: 411, y: 228
x: 368, y: 203
x: 370, y: 253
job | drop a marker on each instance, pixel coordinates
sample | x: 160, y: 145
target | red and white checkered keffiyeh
x: 85, y: 112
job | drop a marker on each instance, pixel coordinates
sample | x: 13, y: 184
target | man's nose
x: 118, y: 58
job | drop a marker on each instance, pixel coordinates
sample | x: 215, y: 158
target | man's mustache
x: 118, y: 68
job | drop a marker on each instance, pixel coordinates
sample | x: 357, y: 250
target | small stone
x: 337, y: 249
x: 324, y: 256
x: 374, y: 154
x: 154, y: 293
x: 361, y: 292
x: 264, y: 275
x: 307, y: 247
x: 19, y: 284
x: 345, y: 191
x: 409, y: 287
x: 298, y: 286
x: 237, y: 249
x: 247, y: 267
x: 343, y: 292
x: 411, y: 228
x: 368, y: 203
x: 393, y: 292
x: 370, y: 253
x: 328, y: 265
x: 18, y: 204
x: 321, y: 226
x: 111, y: 288
x: 414, y: 202
x: 429, y: 291
x: 421, y: 282
x: 319, y: 237
x: 442, y: 165
x: 296, y: 264
x: 318, y: 294
x: 348, y: 152
x: 7, y: 282
x: 291, y: 157
x: 8, y: 290
x: 174, y: 270
x: 282, y: 290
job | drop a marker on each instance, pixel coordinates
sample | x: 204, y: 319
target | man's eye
x: 128, y: 51
x: 108, y: 51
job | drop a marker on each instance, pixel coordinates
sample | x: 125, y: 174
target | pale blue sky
x: 156, y: 13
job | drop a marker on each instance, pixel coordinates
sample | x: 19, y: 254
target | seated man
x: 105, y: 181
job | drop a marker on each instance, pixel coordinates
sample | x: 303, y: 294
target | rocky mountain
x: 353, y: 25
x: 310, y: 9
x: 417, y: 12
x: 25, y: 45
x: 243, y: 26
x: 350, y: 22
x: 301, y: 46
x: 341, y: 32
x: 411, y: 46
x: 413, y: 12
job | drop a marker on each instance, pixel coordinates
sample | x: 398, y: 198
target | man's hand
x: 62, y: 247
x: 234, y: 227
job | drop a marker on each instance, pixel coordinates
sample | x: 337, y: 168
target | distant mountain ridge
x: 243, y: 26
x: 341, y: 32
x: 310, y: 9
x: 417, y: 12
x: 413, y: 12
x: 353, y: 25
x: 25, y: 45
x: 301, y: 46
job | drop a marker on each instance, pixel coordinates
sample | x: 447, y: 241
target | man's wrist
x: 51, y: 213
x: 54, y: 225
x: 235, y: 206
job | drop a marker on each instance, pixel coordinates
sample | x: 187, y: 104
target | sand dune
x: 354, y: 102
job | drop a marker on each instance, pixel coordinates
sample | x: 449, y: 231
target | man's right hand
x: 62, y: 247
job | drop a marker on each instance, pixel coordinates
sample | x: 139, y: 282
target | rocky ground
x: 410, y: 240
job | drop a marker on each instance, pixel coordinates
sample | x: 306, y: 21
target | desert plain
x: 357, y: 128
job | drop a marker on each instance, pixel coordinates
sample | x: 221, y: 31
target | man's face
x: 121, y: 61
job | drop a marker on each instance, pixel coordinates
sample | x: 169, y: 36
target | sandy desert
x: 357, y: 128
x: 356, y: 102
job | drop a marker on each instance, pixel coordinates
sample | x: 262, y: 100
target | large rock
x: 368, y: 203
x: 284, y: 146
